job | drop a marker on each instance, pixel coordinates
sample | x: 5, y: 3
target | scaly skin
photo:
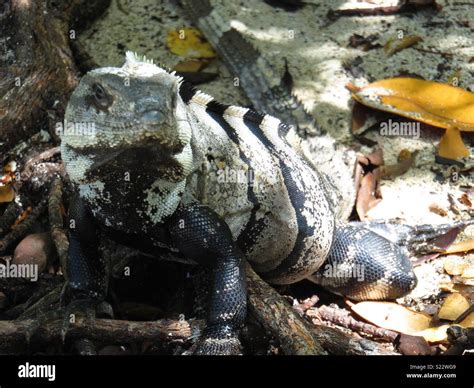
x: 163, y: 165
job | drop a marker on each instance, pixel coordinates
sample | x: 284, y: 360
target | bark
x: 37, y: 70
x: 14, y: 333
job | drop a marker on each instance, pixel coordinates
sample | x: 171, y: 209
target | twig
x: 296, y: 335
x: 344, y: 319
x: 35, y: 292
x: 8, y: 217
x: 20, y: 230
x: 56, y: 222
x: 104, y: 330
x: 32, y: 163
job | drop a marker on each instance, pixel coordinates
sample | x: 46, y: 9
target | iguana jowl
x: 170, y: 167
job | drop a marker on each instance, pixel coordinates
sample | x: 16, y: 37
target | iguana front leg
x: 87, y: 276
x: 200, y: 234
x: 86, y: 272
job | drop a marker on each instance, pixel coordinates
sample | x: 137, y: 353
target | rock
x: 35, y: 249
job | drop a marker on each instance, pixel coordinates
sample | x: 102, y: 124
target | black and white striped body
x: 273, y: 201
x: 162, y: 164
x: 239, y: 163
x: 157, y: 146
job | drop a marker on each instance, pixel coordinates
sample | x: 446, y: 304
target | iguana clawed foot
x: 88, y: 308
x: 217, y: 341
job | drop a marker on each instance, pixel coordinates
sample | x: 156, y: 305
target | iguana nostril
x: 152, y: 117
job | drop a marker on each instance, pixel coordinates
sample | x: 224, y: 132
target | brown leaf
x: 366, y: 196
x: 464, y: 199
x: 411, y: 345
x: 462, y: 280
x: 363, y: 42
x: 406, y: 159
x: 376, y: 157
x: 7, y: 194
x: 436, y: 209
x: 359, y: 116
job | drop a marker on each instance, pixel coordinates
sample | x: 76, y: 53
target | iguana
x: 270, y: 91
x: 166, y: 166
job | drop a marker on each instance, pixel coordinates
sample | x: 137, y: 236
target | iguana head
x: 128, y: 112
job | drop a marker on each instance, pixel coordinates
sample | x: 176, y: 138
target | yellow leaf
x: 455, y: 265
x: 433, y: 103
x: 435, y: 334
x: 189, y: 43
x: 191, y: 65
x: 453, y: 306
x: 439, y: 334
x: 462, y: 246
x: 451, y: 145
x: 392, y: 316
x: 395, y: 45
x: 468, y: 321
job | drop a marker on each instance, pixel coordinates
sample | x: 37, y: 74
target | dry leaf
x: 451, y: 145
x: 365, y: 43
x: 462, y: 246
x: 189, y: 43
x: 436, y: 209
x: 464, y: 199
x: 455, y: 265
x: 468, y: 321
x: 411, y: 345
x: 454, y: 305
x: 395, y: 45
x: 433, y: 103
x: 463, y: 280
x: 366, y: 196
x: 465, y: 290
x: 359, y: 116
x: 392, y: 316
x: 191, y: 65
x: 468, y: 272
x: 435, y: 334
x: 7, y: 194
x: 24, y: 214
x: 406, y: 159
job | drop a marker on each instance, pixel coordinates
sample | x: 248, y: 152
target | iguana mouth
x: 147, y: 160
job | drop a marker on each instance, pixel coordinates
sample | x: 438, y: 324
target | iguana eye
x: 99, y: 94
x: 99, y: 98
